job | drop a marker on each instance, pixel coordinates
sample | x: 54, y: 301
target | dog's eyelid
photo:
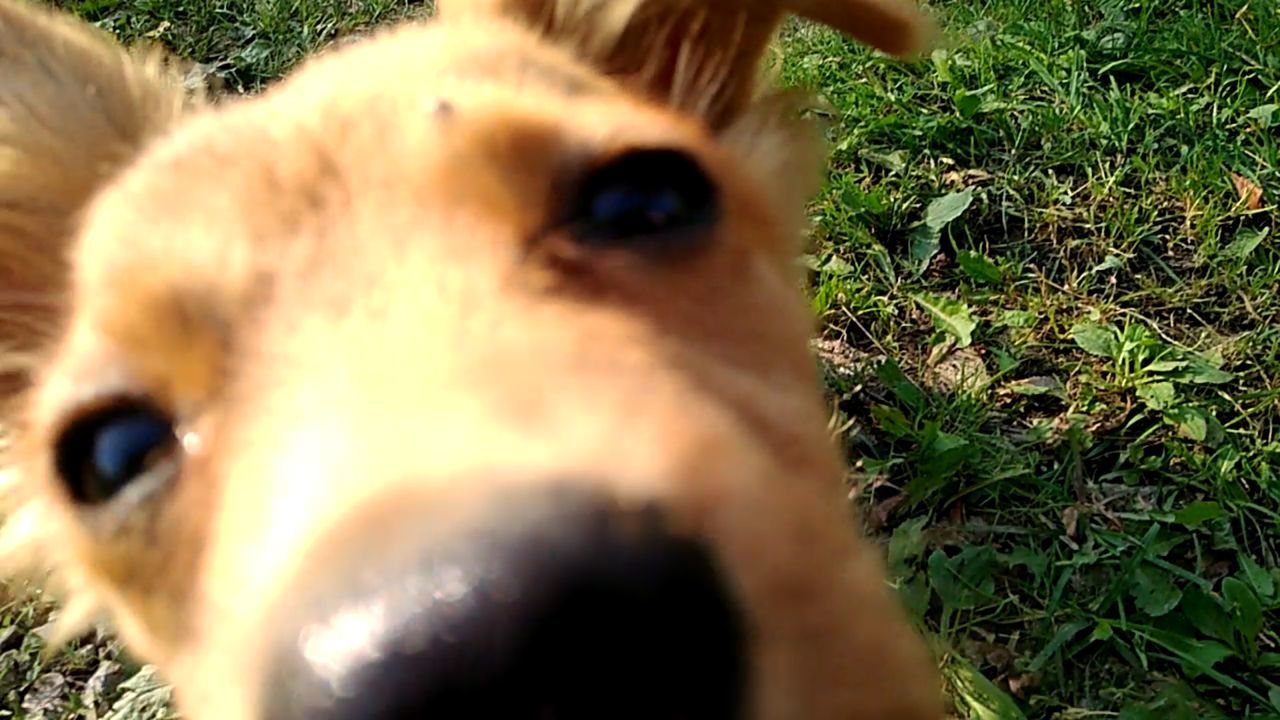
x: 92, y: 385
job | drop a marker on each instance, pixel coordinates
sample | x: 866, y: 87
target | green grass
x: 1057, y: 327
x: 241, y: 45
x: 1052, y: 326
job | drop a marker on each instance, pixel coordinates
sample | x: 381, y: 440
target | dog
x: 463, y: 373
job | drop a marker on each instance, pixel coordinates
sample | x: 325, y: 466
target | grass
x: 1046, y: 264
x: 1055, y: 297
x: 241, y: 45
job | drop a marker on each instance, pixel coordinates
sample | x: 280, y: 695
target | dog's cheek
x: 148, y: 569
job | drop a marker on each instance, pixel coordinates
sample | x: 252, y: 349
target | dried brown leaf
x: 882, y: 511
x: 1249, y: 192
x: 1071, y: 520
x: 1019, y: 684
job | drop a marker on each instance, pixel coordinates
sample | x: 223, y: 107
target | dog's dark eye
x: 643, y: 195
x: 101, y: 453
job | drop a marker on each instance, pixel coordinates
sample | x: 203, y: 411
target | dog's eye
x: 643, y: 195
x: 101, y: 453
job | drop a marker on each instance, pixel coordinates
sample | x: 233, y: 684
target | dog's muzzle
x: 560, y: 606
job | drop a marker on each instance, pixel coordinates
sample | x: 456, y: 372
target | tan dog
x: 462, y: 375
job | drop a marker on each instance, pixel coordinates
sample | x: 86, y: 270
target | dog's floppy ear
x: 74, y: 108
x: 701, y: 56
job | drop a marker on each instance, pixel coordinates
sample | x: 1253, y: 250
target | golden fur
x: 344, y: 278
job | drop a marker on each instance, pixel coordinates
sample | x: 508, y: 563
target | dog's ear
x: 74, y: 108
x: 700, y: 56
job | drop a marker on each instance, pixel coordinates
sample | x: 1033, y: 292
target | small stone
x: 46, y: 698
x: 960, y: 371
x: 100, y: 689
x: 197, y: 77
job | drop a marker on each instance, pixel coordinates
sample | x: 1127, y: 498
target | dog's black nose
x: 563, y: 607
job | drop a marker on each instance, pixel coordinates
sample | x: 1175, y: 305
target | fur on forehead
x: 699, y: 56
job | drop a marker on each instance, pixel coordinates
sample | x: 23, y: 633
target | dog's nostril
x: 568, y: 608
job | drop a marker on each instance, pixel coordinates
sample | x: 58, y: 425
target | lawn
x: 1052, y: 300
x: 1046, y: 265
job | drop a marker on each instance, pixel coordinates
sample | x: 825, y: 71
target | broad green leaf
x: 914, y: 595
x: 1201, y: 372
x: 979, y: 267
x: 1165, y: 366
x: 895, y: 161
x: 1245, y: 243
x: 855, y: 198
x: 1061, y: 637
x: 1154, y: 592
x: 1019, y: 318
x: 1135, y: 335
x: 1259, y: 579
x: 946, y: 442
x: 979, y: 695
x: 1114, y: 41
x: 926, y: 242
x: 838, y: 267
x: 943, y: 454
x: 891, y: 420
x: 1005, y: 361
x: 1161, y: 544
x: 1095, y: 339
x: 907, y: 543
x: 1191, y: 422
x: 1158, y: 396
x: 1039, y: 385
x: 1110, y: 262
x: 966, y: 580
x: 1198, y: 656
x: 1245, y: 607
x: 1263, y: 114
x: 944, y: 210
x: 899, y: 384
x: 950, y: 316
x: 967, y: 103
x: 1033, y: 560
x: 1207, y: 613
x: 1198, y: 513
x: 941, y: 64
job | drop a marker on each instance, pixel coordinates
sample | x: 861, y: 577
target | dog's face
x: 464, y: 374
